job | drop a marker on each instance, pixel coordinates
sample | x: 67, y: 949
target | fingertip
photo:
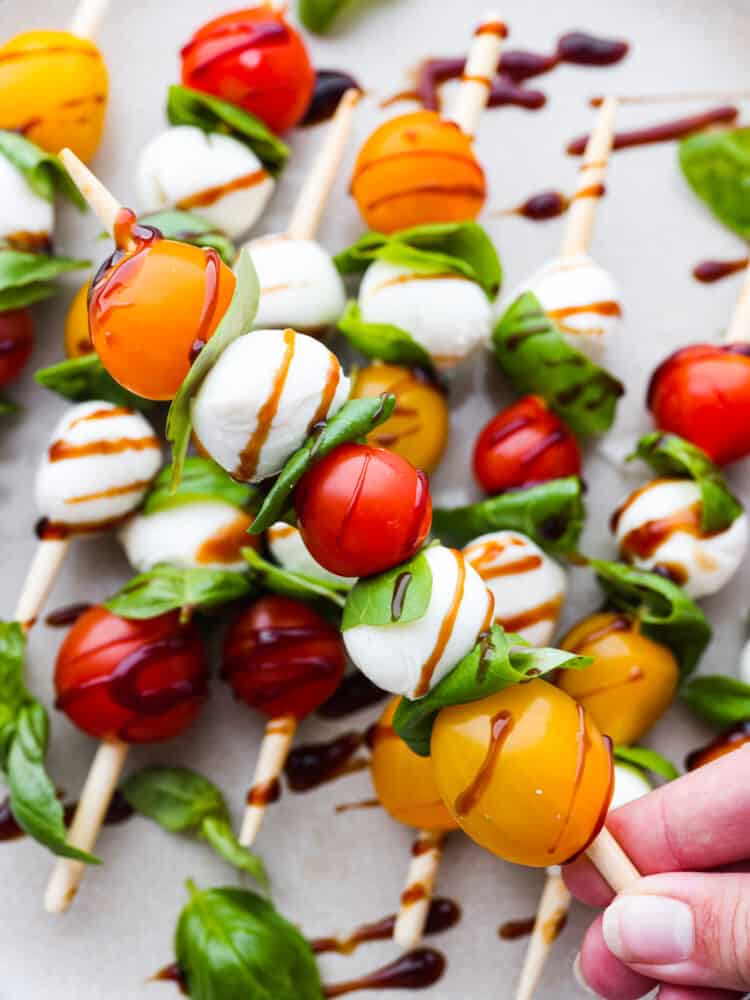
x: 586, y: 884
x: 606, y: 976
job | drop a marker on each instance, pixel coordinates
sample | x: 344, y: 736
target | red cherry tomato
x: 255, y: 59
x: 282, y: 658
x: 137, y: 681
x: 16, y: 342
x: 363, y: 510
x: 524, y: 444
x: 702, y: 393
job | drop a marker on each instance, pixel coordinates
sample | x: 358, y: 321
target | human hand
x: 686, y: 924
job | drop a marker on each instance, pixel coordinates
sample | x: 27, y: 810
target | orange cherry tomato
x: 16, y: 343
x: 77, y: 336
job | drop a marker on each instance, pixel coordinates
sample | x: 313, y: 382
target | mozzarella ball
x: 290, y: 552
x: 448, y: 315
x: 658, y: 527
x: 206, y: 534
x: 410, y: 658
x: 263, y: 397
x: 26, y: 219
x: 299, y: 285
x: 745, y: 663
x: 212, y: 174
x: 630, y: 784
x: 528, y: 586
x: 97, y: 468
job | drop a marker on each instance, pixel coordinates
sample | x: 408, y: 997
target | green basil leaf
x: 232, y: 944
x: 281, y: 581
x: 44, y: 173
x: 26, y: 278
x: 192, y: 107
x: 85, y: 378
x: 462, y: 248
x: 171, y: 588
x: 646, y: 759
x: 666, y: 613
x: 355, y: 419
x: 176, y: 798
x: 318, y: 15
x: 537, y: 358
x: 551, y: 514
x: 188, y: 227
x: 7, y: 406
x: 13, y: 692
x: 26, y: 295
x: 201, y: 479
x: 217, y: 830
x: 382, y: 341
x: 669, y: 455
x: 716, y: 165
x: 498, y: 661
x: 721, y: 700
x: 236, y: 320
x: 371, y: 599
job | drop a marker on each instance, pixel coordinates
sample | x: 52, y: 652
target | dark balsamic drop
x: 583, y: 49
x: 416, y: 970
x: 708, y: 271
x: 172, y: 973
x: 9, y: 828
x: 312, y: 765
x: 354, y: 693
x: 511, y: 930
x: 442, y: 915
x: 330, y: 87
x: 67, y: 615
x: 543, y: 206
x: 664, y: 131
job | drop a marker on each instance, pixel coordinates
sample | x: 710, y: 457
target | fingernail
x: 578, y: 973
x: 654, y: 930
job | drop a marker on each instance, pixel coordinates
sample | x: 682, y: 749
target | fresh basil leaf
x: 236, y: 320
x: 536, y: 357
x: 646, y: 759
x: 356, y: 419
x: 188, y: 227
x: 716, y: 165
x: 13, y: 692
x: 721, y: 700
x: 204, y: 111
x: 666, y: 613
x: 26, y: 295
x: 7, y: 406
x: 217, y: 830
x: 43, y: 172
x: 26, y: 278
x: 201, y: 479
x: 462, y: 248
x: 170, y: 588
x: 496, y: 662
x: 318, y: 15
x: 281, y: 581
x: 670, y: 455
x: 232, y: 944
x: 85, y: 378
x: 371, y: 600
x: 382, y: 341
x: 551, y: 514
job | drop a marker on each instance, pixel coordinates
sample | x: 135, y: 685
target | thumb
x: 684, y: 928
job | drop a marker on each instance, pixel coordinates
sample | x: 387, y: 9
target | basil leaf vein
x: 170, y: 588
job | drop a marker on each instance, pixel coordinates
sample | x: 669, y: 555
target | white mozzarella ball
x: 630, y: 784
x: 290, y: 552
x: 98, y: 466
x: 24, y: 215
x: 206, y: 534
x: 410, y: 658
x: 212, y: 174
x: 299, y: 285
x: 448, y: 315
x: 527, y: 584
x: 262, y: 398
x: 671, y: 508
x: 745, y: 663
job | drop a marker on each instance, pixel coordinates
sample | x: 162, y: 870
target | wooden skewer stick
x: 582, y: 211
x: 420, y: 883
x: 87, y: 17
x: 103, y: 776
x: 274, y: 750
x: 612, y: 862
x: 40, y: 578
x: 738, y: 331
x: 553, y: 908
x: 479, y: 72
x: 313, y: 196
x: 102, y: 202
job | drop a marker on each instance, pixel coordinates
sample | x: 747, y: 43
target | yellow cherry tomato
x: 418, y: 428
x: 630, y: 684
x: 525, y: 773
x: 53, y: 89
x: 77, y: 336
x: 404, y: 782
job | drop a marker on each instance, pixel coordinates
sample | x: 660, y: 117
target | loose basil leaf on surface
x: 716, y: 165
x: 318, y: 15
x: 188, y: 227
x: 355, y: 419
x: 192, y: 107
x: 462, y: 248
x: 536, y: 357
x: 236, y: 320
x: 721, y: 700
x: 26, y: 278
x: 496, y: 662
x: 85, y: 378
x: 183, y: 801
x: 372, y: 599
x: 7, y: 406
x: 645, y: 759
x: 666, y: 613
x: 201, y: 480
x: 231, y: 944
x: 278, y: 580
x: 171, y: 588
x: 551, y: 514
x: 43, y: 172
x: 670, y: 455
x: 382, y: 341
